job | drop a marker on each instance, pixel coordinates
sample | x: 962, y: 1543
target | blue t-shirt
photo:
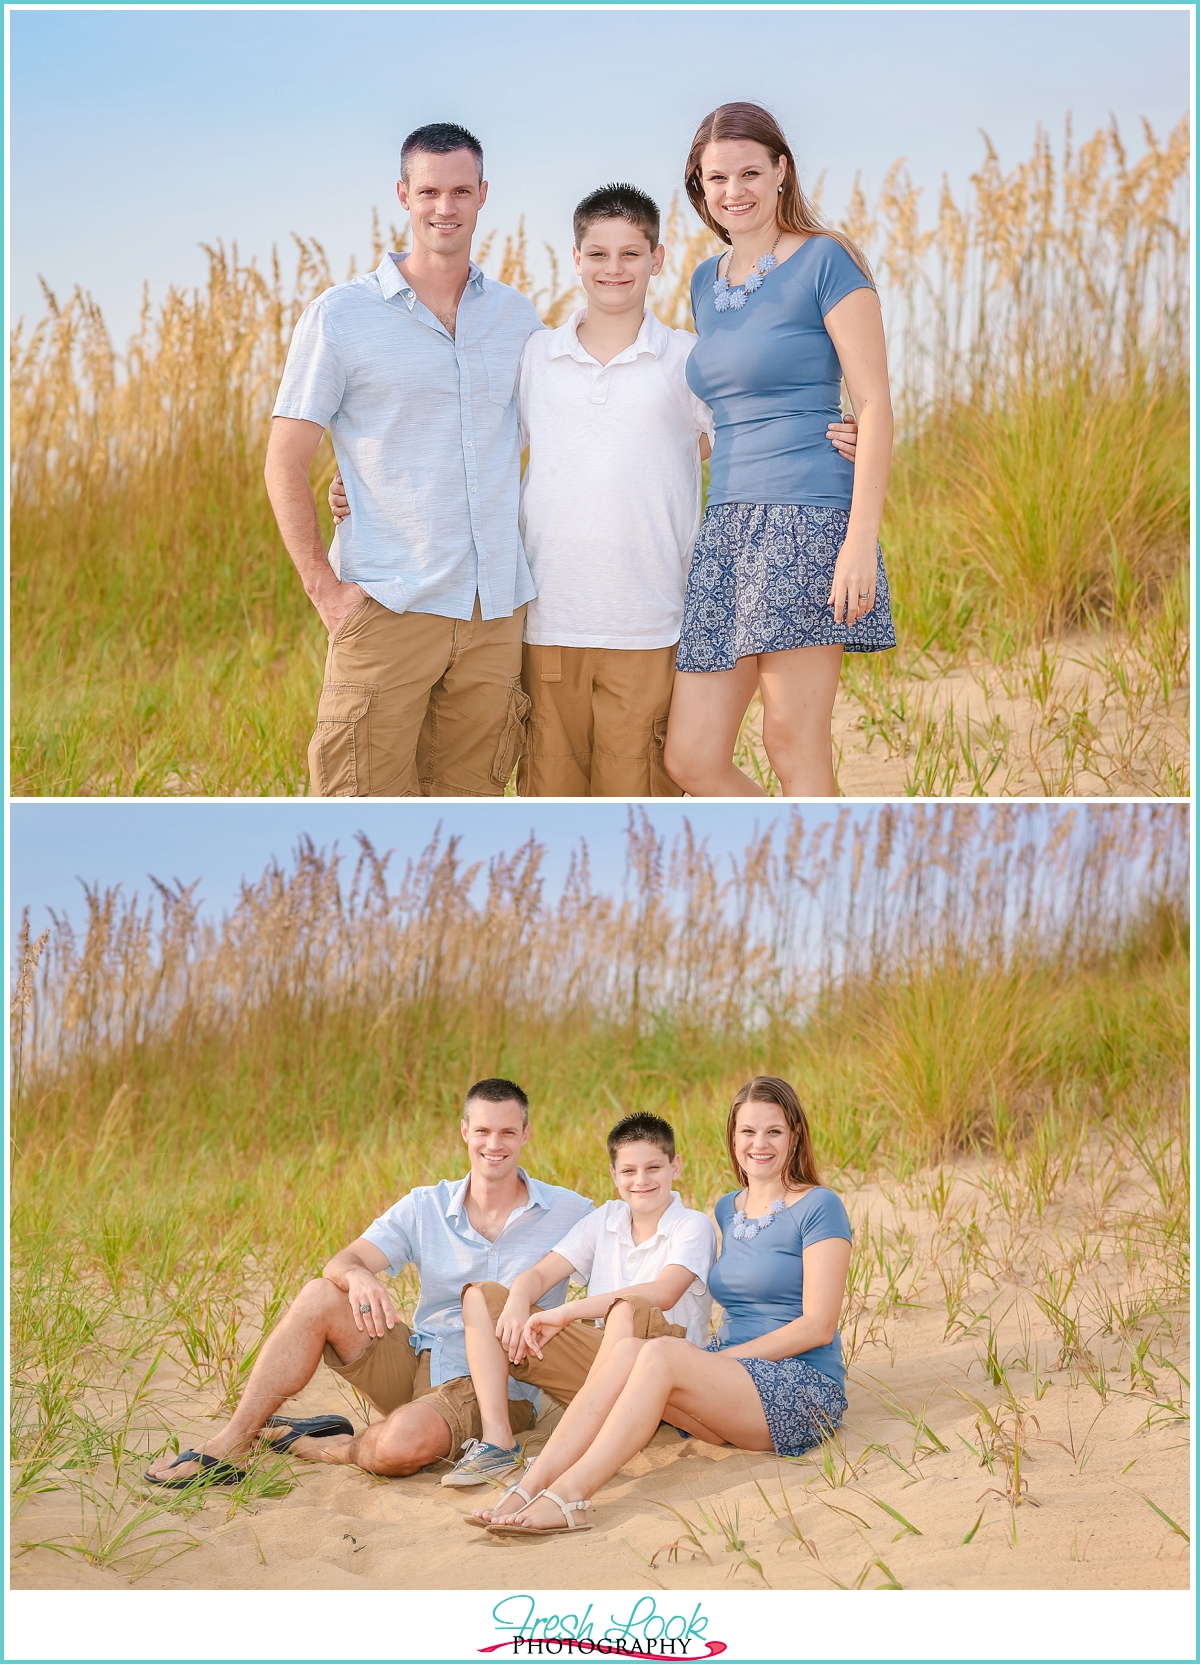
x: 772, y: 379
x: 760, y: 1283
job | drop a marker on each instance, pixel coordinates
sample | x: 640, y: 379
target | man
x: 413, y: 369
x: 490, y: 1226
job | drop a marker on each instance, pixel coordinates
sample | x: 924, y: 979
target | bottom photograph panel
x: 482, y: 1197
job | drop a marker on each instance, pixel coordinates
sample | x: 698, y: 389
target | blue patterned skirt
x: 801, y: 1405
x: 759, y: 583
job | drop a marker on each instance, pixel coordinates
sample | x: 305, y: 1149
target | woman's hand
x: 510, y: 1326
x: 843, y: 436
x: 543, y: 1326
x: 852, y: 593
x: 339, y: 504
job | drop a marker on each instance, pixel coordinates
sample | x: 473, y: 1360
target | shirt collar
x: 538, y: 1196
x: 391, y: 278
x: 652, y: 338
x: 620, y: 1221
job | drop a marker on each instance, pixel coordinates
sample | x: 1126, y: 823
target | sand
x: 1084, y: 1521
x: 978, y: 729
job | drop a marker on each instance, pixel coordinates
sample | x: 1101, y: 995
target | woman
x: 787, y: 573
x: 773, y: 1378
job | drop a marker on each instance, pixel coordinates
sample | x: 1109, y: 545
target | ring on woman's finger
x: 365, y: 1308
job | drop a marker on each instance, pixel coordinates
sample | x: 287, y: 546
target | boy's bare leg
x: 488, y: 1363
x: 585, y: 1414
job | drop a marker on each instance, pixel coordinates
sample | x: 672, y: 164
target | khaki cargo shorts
x: 390, y: 1374
x: 416, y: 705
x: 569, y: 1355
x: 597, y: 721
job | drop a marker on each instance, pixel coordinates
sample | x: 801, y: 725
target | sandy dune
x: 1091, y: 721
x: 1083, y: 1522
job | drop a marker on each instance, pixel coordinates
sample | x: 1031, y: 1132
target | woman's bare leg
x: 707, y: 708
x: 586, y: 1412
x: 798, y: 691
x: 717, y: 1391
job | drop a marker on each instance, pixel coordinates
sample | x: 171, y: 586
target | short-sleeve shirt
x: 429, y: 1228
x: 772, y: 379
x: 603, y: 1252
x: 759, y: 1282
x: 424, y: 424
x: 610, y: 501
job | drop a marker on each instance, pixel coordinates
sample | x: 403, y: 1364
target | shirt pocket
x: 502, y: 361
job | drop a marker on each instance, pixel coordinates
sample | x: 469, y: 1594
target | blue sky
x: 138, y: 134
x: 54, y: 845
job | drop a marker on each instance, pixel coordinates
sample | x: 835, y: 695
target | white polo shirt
x: 610, y: 501
x: 602, y: 1250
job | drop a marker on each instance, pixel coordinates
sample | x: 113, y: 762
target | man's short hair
x: 618, y: 202
x: 439, y: 138
x: 641, y: 1129
x: 497, y: 1091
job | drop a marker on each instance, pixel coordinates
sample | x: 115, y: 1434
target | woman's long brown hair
x: 794, y: 212
x: 801, y: 1166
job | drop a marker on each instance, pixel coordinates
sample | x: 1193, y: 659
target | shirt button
x: 470, y: 442
x: 472, y: 488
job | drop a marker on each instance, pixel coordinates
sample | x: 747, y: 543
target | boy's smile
x: 615, y: 264
x: 643, y: 1175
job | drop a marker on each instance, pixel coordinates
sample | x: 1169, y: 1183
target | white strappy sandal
x: 501, y: 1529
x: 518, y: 1489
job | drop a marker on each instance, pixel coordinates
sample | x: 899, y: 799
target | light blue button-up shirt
x: 424, y: 424
x: 429, y: 1228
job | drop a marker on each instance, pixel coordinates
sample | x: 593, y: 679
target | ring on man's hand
x: 365, y: 1308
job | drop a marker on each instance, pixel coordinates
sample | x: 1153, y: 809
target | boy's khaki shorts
x: 569, y: 1355
x: 415, y: 705
x: 390, y: 1374
x: 597, y: 722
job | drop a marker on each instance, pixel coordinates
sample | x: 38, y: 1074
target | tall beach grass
x: 203, y: 1112
x: 161, y: 642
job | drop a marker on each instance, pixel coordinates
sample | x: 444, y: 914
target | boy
x: 610, y: 508
x: 646, y: 1248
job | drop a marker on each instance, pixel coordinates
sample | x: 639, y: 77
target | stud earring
x: 780, y: 190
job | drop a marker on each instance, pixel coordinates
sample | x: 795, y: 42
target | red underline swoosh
x: 611, y: 1651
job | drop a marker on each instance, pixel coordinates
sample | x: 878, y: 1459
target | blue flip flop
x: 213, y: 1471
x: 305, y: 1427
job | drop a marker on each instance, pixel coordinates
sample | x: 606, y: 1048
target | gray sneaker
x: 481, y: 1462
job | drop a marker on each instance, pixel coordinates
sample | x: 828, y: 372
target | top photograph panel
x: 471, y: 404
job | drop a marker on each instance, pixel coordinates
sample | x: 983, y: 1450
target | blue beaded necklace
x: 747, y: 1229
x: 726, y: 299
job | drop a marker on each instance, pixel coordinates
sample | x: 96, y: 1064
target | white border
x: 444, y: 1624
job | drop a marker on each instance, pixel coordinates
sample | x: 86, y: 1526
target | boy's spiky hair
x: 618, y: 202
x: 638, y: 1129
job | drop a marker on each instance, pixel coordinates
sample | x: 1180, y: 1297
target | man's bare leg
x: 406, y: 1441
x: 286, y: 1364
x: 585, y: 1414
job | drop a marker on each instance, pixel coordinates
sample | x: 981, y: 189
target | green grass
x: 162, y: 644
x: 200, y: 1121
